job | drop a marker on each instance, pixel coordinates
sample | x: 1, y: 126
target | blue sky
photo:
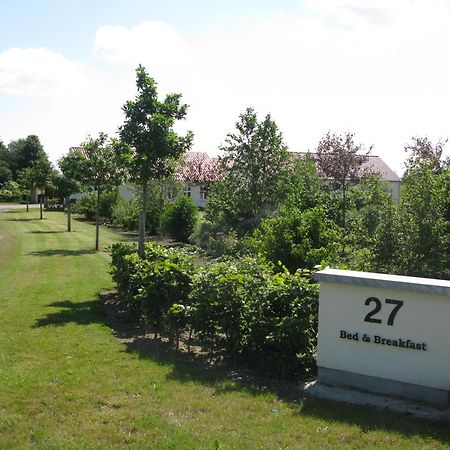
x: 375, y: 67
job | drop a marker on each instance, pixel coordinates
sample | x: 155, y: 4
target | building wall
x: 395, y: 191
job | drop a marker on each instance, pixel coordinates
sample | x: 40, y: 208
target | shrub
x: 87, y: 204
x: 179, y: 218
x: 165, y: 280
x: 125, y: 214
x: 298, y: 239
x: 125, y: 272
x: 239, y: 306
x: 282, y: 336
x: 220, y: 304
x: 10, y: 192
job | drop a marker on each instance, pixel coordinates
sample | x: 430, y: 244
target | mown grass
x: 67, y: 382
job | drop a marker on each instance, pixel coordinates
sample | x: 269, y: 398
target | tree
x: 64, y: 188
x: 27, y: 183
x: 422, y: 152
x: 96, y: 165
x: 149, y: 141
x: 41, y: 172
x: 252, y: 172
x: 304, y: 187
x: 338, y: 159
x: 25, y: 152
x: 425, y: 225
x: 5, y: 165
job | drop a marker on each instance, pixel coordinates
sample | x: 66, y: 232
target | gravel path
x: 8, y: 206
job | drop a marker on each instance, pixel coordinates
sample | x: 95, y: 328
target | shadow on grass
x: 23, y: 219
x: 45, y: 232
x: 60, y: 252
x: 196, y: 367
x: 81, y: 313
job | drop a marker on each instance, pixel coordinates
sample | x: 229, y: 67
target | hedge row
x: 256, y: 315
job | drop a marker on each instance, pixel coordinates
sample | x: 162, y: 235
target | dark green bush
x: 125, y: 272
x: 242, y: 306
x: 298, y: 239
x: 165, y: 280
x: 179, y: 218
x: 283, y: 326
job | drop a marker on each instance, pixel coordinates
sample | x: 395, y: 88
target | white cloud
x: 38, y: 71
x: 377, y: 67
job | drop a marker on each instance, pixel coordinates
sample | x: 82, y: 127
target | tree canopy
x: 150, y: 144
x: 252, y: 170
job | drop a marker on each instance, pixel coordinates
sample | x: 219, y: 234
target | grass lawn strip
x: 66, y: 381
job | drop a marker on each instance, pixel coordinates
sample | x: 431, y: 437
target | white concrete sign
x: 385, y: 333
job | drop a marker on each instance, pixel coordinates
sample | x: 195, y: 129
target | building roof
x: 198, y: 167
x: 376, y: 164
x: 373, y: 164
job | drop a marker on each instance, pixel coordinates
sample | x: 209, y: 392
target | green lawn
x: 67, y: 382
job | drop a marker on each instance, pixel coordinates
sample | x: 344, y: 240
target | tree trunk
x: 40, y: 205
x: 344, y: 206
x: 69, y: 214
x: 142, y: 215
x: 97, y: 221
x: 28, y: 209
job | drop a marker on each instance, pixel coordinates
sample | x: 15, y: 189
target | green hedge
x: 243, y: 307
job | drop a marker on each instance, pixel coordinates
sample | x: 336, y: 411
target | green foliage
x: 240, y: 306
x: 253, y: 171
x: 11, y: 192
x: 165, y: 280
x: 304, y: 188
x: 5, y: 173
x: 368, y: 203
x: 425, y: 231
x: 125, y: 214
x: 87, y: 205
x: 298, y: 239
x: 339, y: 161
x: 149, y: 143
x: 125, y: 272
x: 96, y: 165
x: 221, y: 299
x: 25, y: 153
x: 215, y: 241
x: 179, y: 218
x: 415, y: 240
x: 283, y: 329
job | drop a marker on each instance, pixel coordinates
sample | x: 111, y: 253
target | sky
x: 378, y: 68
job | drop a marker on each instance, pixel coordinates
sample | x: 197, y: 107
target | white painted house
x: 199, y: 171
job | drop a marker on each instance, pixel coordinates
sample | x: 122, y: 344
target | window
x: 204, y: 192
x: 187, y: 191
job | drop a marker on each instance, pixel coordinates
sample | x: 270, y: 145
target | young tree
x: 151, y: 145
x: 96, y: 166
x: 41, y: 172
x: 26, y: 181
x: 64, y: 188
x: 425, y: 225
x: 338, y: 159
x: 252, y: 170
